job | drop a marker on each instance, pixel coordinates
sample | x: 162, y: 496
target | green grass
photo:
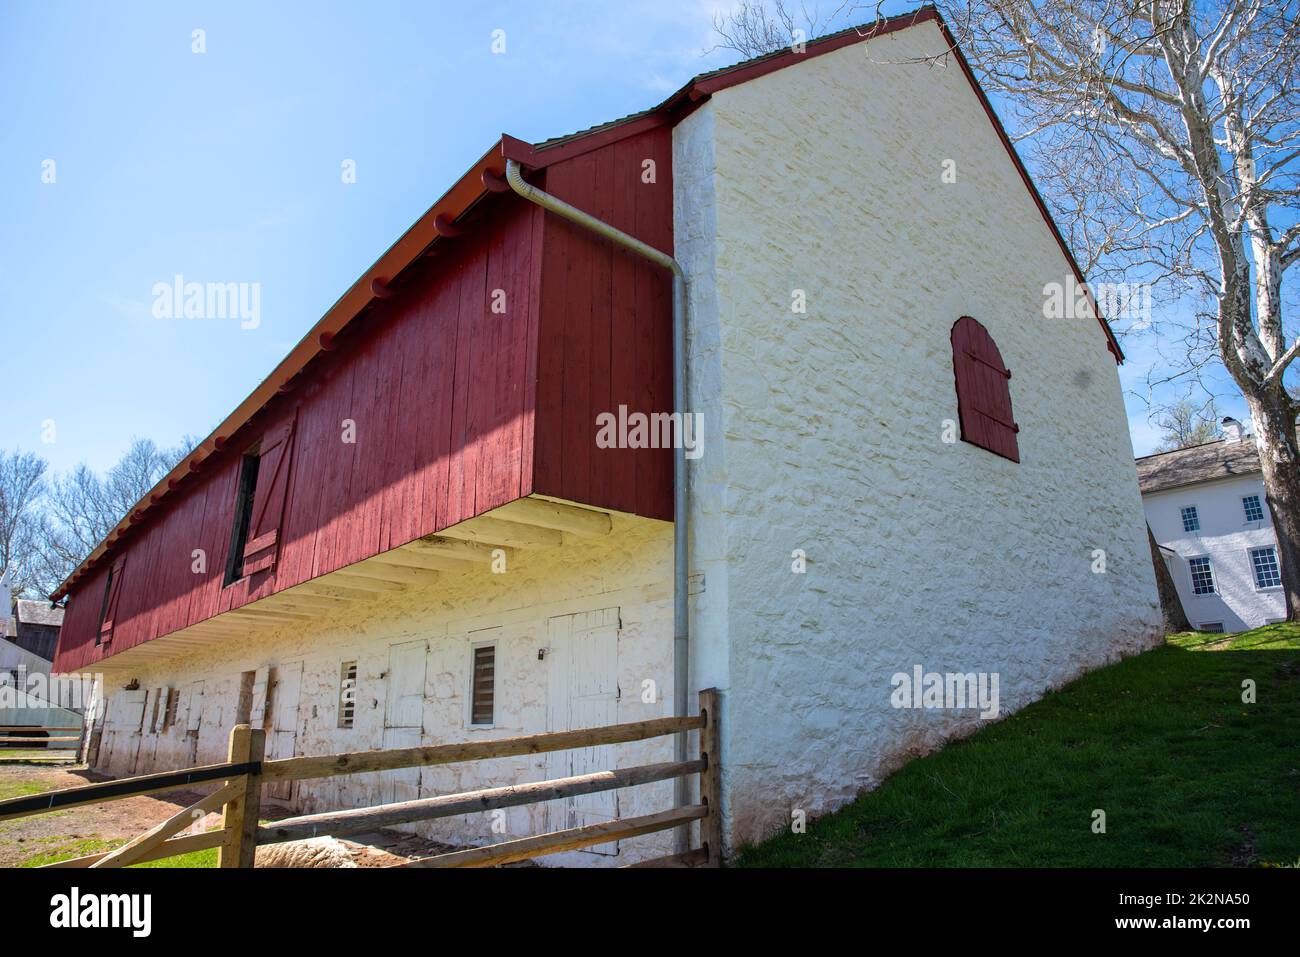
x: 66, y: 850
x: 17, y: 789
x: 1188, y: 775
x: 88, y: 846
x: 206, y: 858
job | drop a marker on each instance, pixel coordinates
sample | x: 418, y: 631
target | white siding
x: 1226, y: 538
x: 13, y: 657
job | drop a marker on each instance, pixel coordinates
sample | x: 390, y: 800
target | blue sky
x: 225, y: 166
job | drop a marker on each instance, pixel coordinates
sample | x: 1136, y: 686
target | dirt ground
x: 117, y: 821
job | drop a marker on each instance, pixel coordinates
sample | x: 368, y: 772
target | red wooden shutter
x: 983, y: 390
x: 268, y: 499
x: 110, y: 601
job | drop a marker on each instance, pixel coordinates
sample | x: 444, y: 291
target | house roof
x: 485, y: 177
x: 38, y: 613
x: 1200, y: 463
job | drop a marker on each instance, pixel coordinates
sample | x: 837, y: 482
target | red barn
x: 448, y: 513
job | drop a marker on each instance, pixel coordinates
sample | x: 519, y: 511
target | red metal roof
x: 486, y: 176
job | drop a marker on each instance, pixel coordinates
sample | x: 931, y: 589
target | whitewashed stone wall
x: 630, y: 569
x: 1226, y: 538
x: 824, y: 430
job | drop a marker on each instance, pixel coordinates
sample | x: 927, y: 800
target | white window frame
x: 1250, y: 563
x: 1182, y: 516
x: 494, y: 644
x: 1205, y: 627
x: 1259, y: 501
x: 1191, y: 576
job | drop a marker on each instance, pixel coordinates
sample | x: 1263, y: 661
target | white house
x: 1208, y: 511
x: 27, y: 641
x: 905, y: 464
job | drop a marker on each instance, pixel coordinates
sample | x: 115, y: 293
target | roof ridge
x: 863, y: 31
x: 1189, y: 448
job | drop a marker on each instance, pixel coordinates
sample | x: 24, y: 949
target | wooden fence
x: 241, y: 778
x: 28, y: 736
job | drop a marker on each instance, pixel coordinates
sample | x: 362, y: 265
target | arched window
x: 983, y: 390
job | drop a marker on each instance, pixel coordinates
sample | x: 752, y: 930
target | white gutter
x: 681, y: 616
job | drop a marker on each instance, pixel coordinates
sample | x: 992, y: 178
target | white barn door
x: 404, y: 716
x: 583, y: 693
x: 139, y: 710
x: 194, y: 719
x: 283, y: 739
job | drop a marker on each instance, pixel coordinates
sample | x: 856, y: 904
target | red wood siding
x: 435, y: 384
x: 606, y: 328
x: 457, y: 409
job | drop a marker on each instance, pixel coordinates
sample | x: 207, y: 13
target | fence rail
x: 244, y: 773
x: 357, y: 762
x: 114, y: 790
x: 24, y: 736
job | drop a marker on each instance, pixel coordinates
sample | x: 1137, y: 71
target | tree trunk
x: 1274, y: 420
x: 1171, y: 606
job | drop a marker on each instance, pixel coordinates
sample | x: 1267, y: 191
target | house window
x: 1191, y: 520
x: 243, y: 515
x: 983, y: 390
x: 1264, y: 561
x: 1212, y: 626
x: 483, y: 683
x: 1202, y: 576
x: 1254, y: 510
x: 347, y: 694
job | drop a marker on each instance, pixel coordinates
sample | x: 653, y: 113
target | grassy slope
x: 1187, y: 774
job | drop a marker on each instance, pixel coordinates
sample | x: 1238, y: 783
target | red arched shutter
x: 275, y: 456
x: 983, y: 390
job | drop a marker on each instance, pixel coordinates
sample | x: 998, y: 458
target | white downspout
x: 681, y: 616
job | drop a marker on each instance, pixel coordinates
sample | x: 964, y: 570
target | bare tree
x: 82, y: 506
x: 755, y: 27
x: 1185, y: 424
x: 22, y: 484
x: 1165, y: 136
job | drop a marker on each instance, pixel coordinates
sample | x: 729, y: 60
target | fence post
x: 711, y: 776
x: 240, y: 820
